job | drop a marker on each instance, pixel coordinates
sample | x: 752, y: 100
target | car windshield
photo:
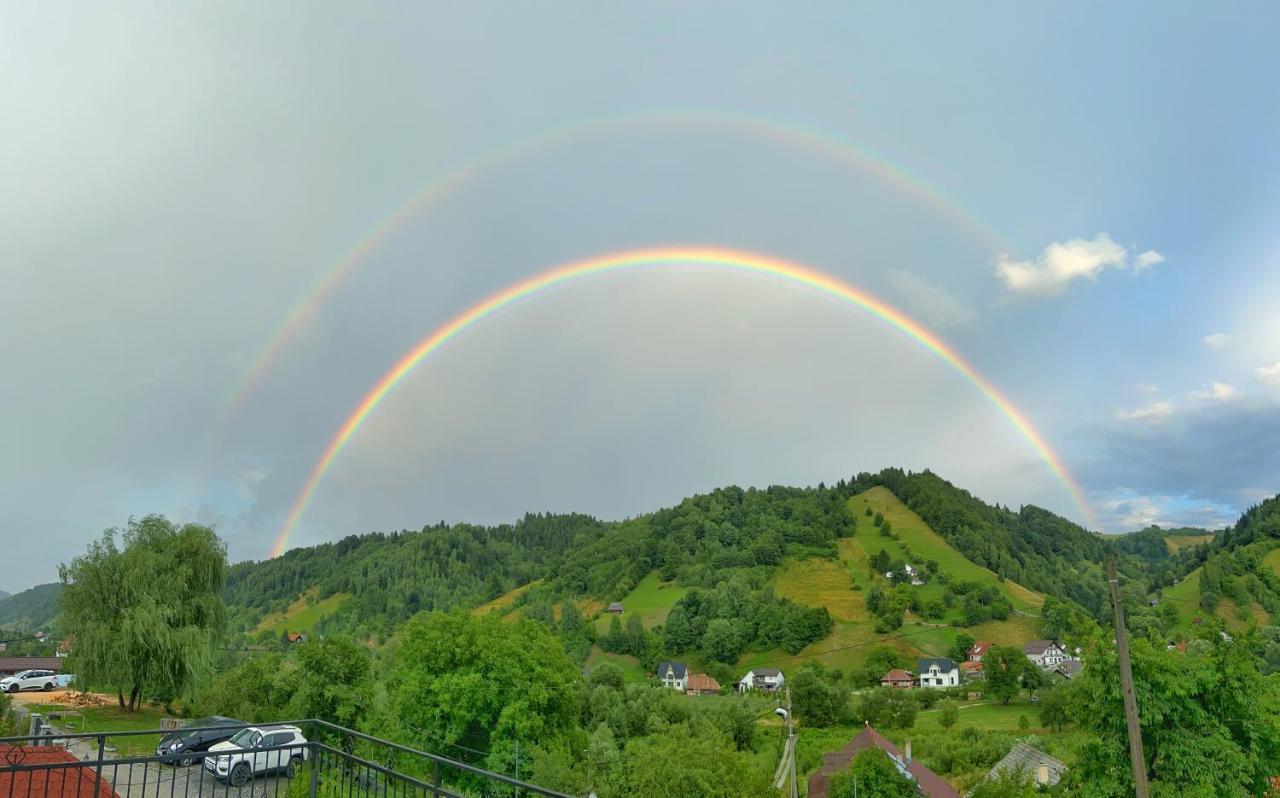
x: 244, y: 738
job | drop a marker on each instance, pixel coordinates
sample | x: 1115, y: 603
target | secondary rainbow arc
x: 803, y: 137
x: 693, y: 257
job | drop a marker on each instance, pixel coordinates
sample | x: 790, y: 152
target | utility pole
x: 1136, y: 758
x: 791, y: 736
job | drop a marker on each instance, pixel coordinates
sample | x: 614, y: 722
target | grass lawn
x: 632, y: 672
x: 1272, y: 558
x: 652, y: 600
x: 303, y: 614
x: 1178, y: 542
x: 111, y: 719
x: 821, y: 583
x: 1186, y: 597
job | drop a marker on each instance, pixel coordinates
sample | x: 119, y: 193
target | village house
x: 971, y: 670
x: 938, y: 672
x: 701, y: 684
x: 1045, y: 653
x: 978, y: 650
x: 928, y: 783
x: 296, y: 637
x: 64, y: 648
x: 673, y: 675
x: 898, y: 678
x: 615, y: 608
x: 1044, y: 770
x: 767, y: 680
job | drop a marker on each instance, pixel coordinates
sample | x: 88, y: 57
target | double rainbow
x: 733, y: 261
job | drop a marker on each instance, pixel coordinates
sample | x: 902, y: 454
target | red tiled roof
x: 701, y: 681
x: 897, y: 675
x: 970, y: 666
x: 55, y: 782
x: 979, y: 648
x: 931, y: 784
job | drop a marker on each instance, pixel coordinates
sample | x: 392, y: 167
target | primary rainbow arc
x: 696, y: 257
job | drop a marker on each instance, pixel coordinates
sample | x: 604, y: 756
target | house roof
x: 701, y: 681
x: 930, y: 784
x: 1039, y: 646
x: 897, y: 675
x: 54, y: 782
x: 678, y: 668
x: 971, y: 667
x: 1027, y: 759
x: 763, y: 672
x: 1070, y: 669
x: 944, y: 664
x: 979, y: 648
x: 615, y: 606
x: 16, y: 664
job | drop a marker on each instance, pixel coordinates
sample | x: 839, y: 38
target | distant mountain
x: 30, y: 609
x: 4, y: 594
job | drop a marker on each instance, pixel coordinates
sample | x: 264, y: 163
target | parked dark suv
x: 182, y: 747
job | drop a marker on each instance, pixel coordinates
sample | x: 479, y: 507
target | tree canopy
x: 146, y: 613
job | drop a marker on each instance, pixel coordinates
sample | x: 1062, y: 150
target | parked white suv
x: 29, y: 680
x: 247, y: 754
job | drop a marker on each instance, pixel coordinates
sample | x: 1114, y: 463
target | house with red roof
x: 49, y: 772
x: 978, y: 650
x: 898, y: 678
x: 928, y: 783
x: 701, y: 684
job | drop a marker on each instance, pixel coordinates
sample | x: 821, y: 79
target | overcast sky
x: 1081, y: 200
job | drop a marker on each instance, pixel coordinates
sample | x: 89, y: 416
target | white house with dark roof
x: 767, y: 679
x: 1046, y: 654
x: 673, y: 675
x: 938, y: 672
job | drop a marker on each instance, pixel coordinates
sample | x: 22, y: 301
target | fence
x: 334, y: 762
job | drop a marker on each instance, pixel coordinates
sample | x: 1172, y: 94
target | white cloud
x: 1147, y: 388
x: 1156, y: 411
x: 1217, y: 340
x: 931, y: 301
x: 1219, y: 391
x: 1146, y: 260
x: 1268, y: 375
x: 1065, y: 261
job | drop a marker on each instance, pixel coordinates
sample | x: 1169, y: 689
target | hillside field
x: 652, y: 600
x: 303, y: 614
x: 817, y: 582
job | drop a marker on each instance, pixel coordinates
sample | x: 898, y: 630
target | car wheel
x: 48, y: 686
x: 239, y: 775
x: 291, y: 770
x: 13, y: 688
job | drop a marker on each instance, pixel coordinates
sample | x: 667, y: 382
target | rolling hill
x: 31, y: 609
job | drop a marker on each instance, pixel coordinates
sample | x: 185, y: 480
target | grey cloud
x: 1224, y: 452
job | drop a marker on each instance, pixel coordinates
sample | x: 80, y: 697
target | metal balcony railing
x: 335, y: 762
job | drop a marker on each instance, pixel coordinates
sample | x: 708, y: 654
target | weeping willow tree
x: 145, y: 612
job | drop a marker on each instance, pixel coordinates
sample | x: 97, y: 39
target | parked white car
x: 248, y: 754
x: 29, y: 680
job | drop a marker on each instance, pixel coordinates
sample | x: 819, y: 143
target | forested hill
x: 31, y: 609
x: 392, y: 576
x: 382, y: 579
x: 1032, y: 546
